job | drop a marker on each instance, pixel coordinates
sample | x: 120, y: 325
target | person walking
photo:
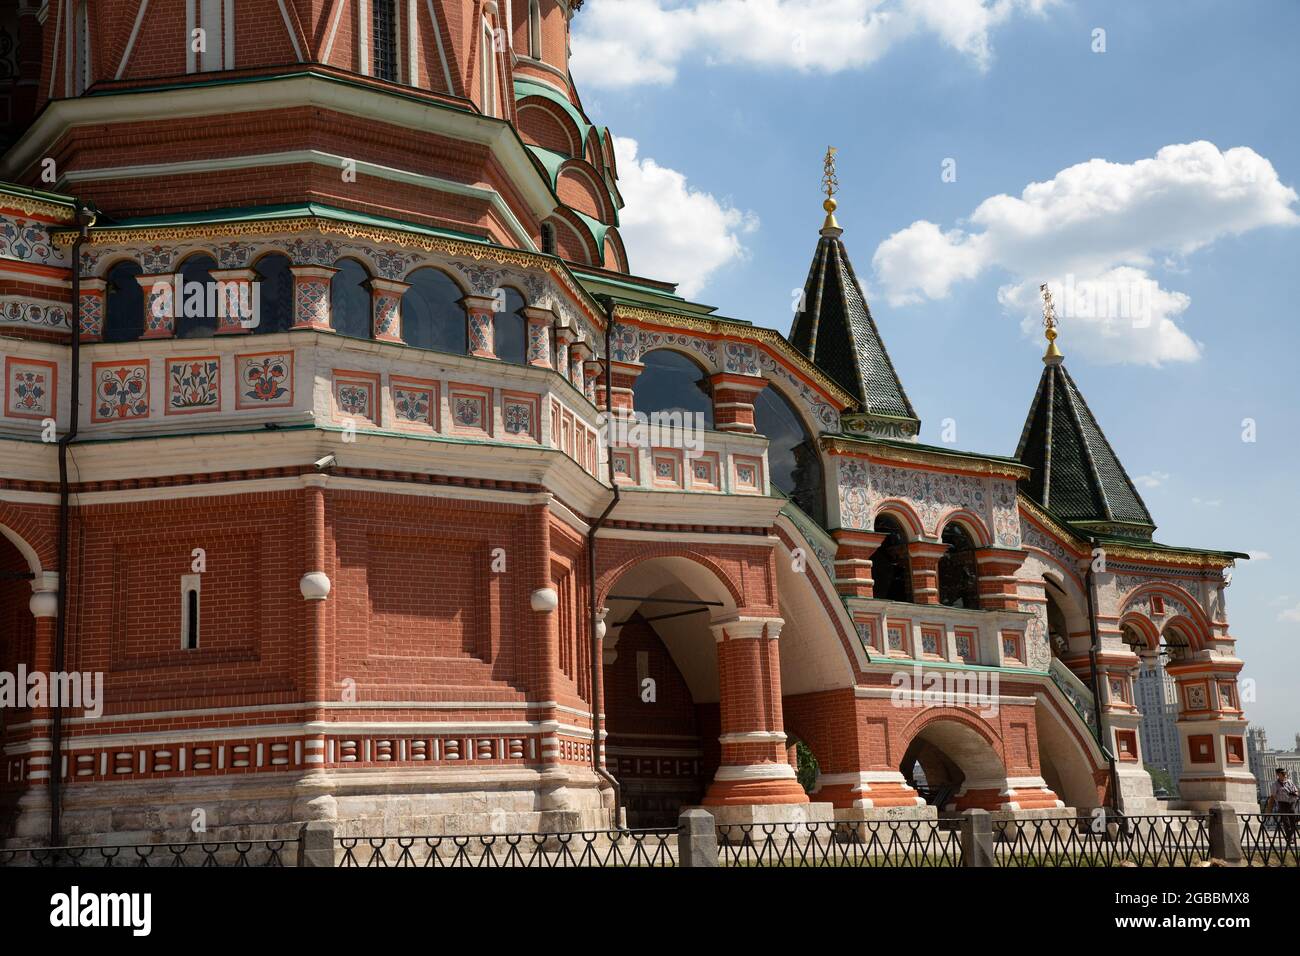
x: 1283, y: 801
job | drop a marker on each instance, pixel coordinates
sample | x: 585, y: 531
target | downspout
x: 1093, y: 646
x: 85, y: 219
x: 597, y: 677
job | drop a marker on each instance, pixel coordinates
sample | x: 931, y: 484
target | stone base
x: 772, y: 813
x: 887, y: 813
x: 1239, y: 791
x: 363, y: 803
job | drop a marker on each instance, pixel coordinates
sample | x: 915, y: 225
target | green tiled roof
x: 1076, y: 473
x: 835, y: 330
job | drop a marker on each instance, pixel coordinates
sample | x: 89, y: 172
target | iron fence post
x: 976, y: 838
x: 1225, y: 835
x: 316, y: 844
x: 697, y: 839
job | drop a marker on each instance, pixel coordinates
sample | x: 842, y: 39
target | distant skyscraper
x: 1158, y: 700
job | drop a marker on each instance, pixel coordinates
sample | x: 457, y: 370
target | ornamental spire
x: 831, y: 185
x: 1053, y: 355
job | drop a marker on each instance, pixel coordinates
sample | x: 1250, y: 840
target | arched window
x: 534, y: 29
x: 793, y: 460
x: 124, y: 312
x: 1175, y: 644
x: 1058, y: 631
x: 383, y: 27
x: 958, y: 574
x: 81, y: 49
x: 488, y: 71
x: 891, y: 570
x: 432, y: 314
x: 274, y: 292
x: 350, y: 299
x: 510, y: 329
x: 195, y: 310
x: 672, y: 383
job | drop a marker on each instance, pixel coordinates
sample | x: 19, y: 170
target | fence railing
x: 1269, y: 839
x: 581, y: 848
x: 974, y: 839
x: 864, y: 843
x: 246, y: 853
x: 1102, y: 840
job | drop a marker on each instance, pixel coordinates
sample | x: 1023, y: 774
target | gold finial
x: 832, y: 185
x: 1053, y: 355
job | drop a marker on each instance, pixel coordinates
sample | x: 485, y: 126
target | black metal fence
x: 1269, y: 839
x: 579, y: 848
x: 1103, y: 840
x: 247, y: 853
x: 862, y: 843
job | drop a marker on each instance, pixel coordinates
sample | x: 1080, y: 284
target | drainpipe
x: 597, y: 676
x: 85, y: 219
x: 1093, y: 646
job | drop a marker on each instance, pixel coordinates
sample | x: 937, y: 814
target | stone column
x: 235, y: 311
x: 1212, y: 732
x: 579, y: 352
x: 386, y: 309
x: 998, y: 586
x: 159, y: 304
x: 733, y: 401
x: 853, y: 561
x: 311, y: 297
x: 540, y: 323
x: 923, y: 556
x: 93, y: 305
x: 754, y: 769
x: 564, y: 337
x: 480, y: 311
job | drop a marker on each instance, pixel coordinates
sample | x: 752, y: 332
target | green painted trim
x: 54, y: 199
x: 525, y: 88
x: 928, y: 449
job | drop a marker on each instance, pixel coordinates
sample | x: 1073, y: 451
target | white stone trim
x: 288, y: 27
x: 754, y: 737
x: 130, y: 43
x: 757, y: 771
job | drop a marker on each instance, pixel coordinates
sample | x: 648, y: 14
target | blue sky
x: 723, y: 193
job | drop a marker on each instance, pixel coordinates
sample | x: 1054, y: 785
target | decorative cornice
x: 724, y: 329
x: 35, y: 207
x: 916, y: 456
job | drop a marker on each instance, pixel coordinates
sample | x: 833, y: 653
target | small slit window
x: 190, y: 612
x: 534, y: 29
x: 384, y: 29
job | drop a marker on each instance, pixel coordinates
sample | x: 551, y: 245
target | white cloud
x: 634, y: 42
x: 1093, y: 232
x: 1291, y: 615
x: 1207, y: 502
x: 1260, y: 556
x: 1152, y: 480
x: 670, y: 230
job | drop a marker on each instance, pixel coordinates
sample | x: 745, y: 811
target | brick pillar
x: 315, y: 587
x: 924, y: 557
x: 544, y: 657
x: 579, y: 353
x: 93, y: 304
x: 540, y: 323
x: 733, y: 401
x: 998, y: 587
x: 754, y: 768
x: 235, y: 312
x: 1212, y: 732
x: 311, y: 296
x: 624, y: 376
x: 480, y: 311
x: 564, y: 337
x: 159, y: 304
x: 594, y: 384
x: 386, y: 309
x: 853, y: 561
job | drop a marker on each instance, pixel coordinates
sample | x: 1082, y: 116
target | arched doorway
x: 954, y: 767
x: 17, y: 646
x: 662, y: 697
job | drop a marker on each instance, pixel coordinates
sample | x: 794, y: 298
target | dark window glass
x: 191, y: 619
x: 196, y: 308
x: 890, y: 568
x: 548, y: 238
x: 1058, y: 632
x: 384, y: 27
x: 670, y: 382
x: 124, y: 313
x: 274, y: 294
x: 510, y: 328
x: 958, y: 575
x: 432, y: 315
x: 350, y: 300
x: 793, y: 461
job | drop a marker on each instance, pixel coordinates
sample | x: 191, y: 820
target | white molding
x: 442, y: 54
x: 756, y: 771
x: 130, y: 43
x: 288, y: 27
x: 334, y: 29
